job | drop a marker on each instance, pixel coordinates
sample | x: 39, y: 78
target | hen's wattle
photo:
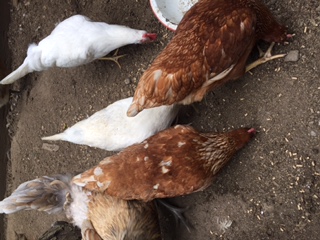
x: 210, y: 47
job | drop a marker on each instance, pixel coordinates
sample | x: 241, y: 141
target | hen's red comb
x: 151, y: 36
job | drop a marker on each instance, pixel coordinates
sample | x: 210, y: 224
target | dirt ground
x: 270, y: 190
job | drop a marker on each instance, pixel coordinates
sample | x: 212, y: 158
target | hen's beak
x: 148, y: 37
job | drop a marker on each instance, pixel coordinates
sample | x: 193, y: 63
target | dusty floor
x: 269, y: 191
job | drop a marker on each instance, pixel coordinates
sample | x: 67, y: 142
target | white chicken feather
x: 77, y: 41
x: 111, y: 129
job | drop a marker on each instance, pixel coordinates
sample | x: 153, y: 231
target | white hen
x: 76, y: 41
x: 111, y: 129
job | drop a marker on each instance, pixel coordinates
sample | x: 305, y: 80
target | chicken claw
x: 114, y: 58
x: 267, y: 56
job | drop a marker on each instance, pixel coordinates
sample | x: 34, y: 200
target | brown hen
x: 210, y: 47
x: 174, y: 162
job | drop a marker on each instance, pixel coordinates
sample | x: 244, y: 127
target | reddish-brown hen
x: 210, y: 47
x: 174, y: 162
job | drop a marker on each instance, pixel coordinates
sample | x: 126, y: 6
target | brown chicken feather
x: 134, y: 219
x: 174, y: 162
x: 210, y: 47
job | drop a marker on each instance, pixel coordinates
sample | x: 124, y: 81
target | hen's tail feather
x: 56, y: 137
x: 133, y: 109
x: 43, y: 194
x: 20, y: 72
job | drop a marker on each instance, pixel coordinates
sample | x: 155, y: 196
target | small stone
x: 292, y: 56
x: 269, y: 232
x: 313, y: 134
x: 127, y: 81
x: 50, y: 147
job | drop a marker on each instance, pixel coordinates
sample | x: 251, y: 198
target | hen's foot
x: 114, y: 58
x: 267, y: 56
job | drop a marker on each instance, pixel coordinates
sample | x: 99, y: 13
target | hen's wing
x: 208, y: 44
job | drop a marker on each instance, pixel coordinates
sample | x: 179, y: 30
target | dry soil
x: 270, y: 190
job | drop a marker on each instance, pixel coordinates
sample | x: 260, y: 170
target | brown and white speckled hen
x: 174, y: 162
x: 210, y: 47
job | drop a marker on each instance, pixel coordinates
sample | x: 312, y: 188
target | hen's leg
x: 114, y: 58
x: 267, y: 56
